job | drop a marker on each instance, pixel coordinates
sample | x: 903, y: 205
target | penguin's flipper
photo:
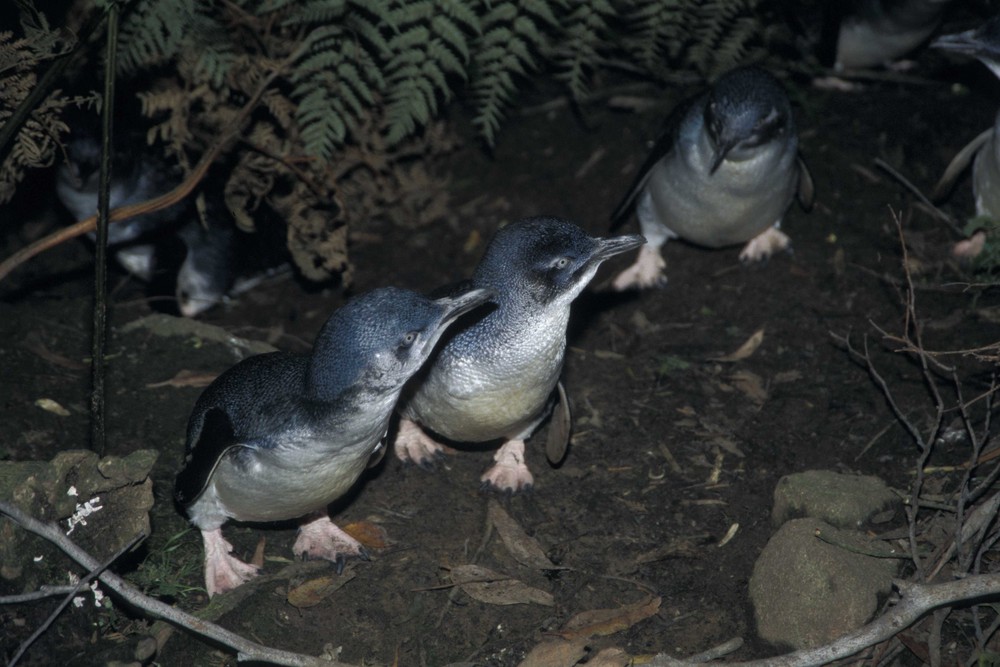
x: 663, y: 146
x: 959, y: 164
x: 559, y: 428
x: 807, y: 189
x: 215, y: 440
x: 379, y: 453
x: 451, y: 289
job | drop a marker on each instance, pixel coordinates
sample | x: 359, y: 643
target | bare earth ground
x: 671, y: 449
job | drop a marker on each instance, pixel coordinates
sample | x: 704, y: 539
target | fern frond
x: 313, y: 12
x: 577, y: 51
x: 462, y: 12
x: 654, y: 32
x: 543, y: 11
x: 321, y: 130
x: 449, y: 34
x: 152, y: 33
x: 413, y: 12
x: 509, y: 48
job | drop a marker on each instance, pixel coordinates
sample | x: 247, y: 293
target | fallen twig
x: 42, y: 593
x: 915, y: 191
x: 916, y: 600
x: 246, y: 649
x: 69, y: 595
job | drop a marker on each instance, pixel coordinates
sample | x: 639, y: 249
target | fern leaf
x: 314, y: 12
x: 450, y: 34
x: 152, y: 33
x: 462, y: 13
x: 322, y: 131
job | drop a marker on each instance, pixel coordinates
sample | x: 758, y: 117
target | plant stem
x: 100, y: 331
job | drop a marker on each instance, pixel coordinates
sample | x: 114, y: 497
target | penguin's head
x: 746, y: 108
x: 379, y: 339
x: 81, y: 171
x: 982, y: 43
x: 545, y: 260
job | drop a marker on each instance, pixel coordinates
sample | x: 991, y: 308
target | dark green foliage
x: 347, y: 129
x: 400, y: 60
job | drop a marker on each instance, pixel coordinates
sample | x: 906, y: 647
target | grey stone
x: 807, y: 590
x: 119, y: 486
x: 845, y: 501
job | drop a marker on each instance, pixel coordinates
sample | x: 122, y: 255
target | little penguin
x: 495, y: 376
x: 136, y: 177
x: 211, y: 268
x: 724, y: 173
x: 873, y: 33
x: 281, y: 436
x: 983, y: 152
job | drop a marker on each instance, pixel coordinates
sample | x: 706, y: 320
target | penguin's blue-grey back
x: 255, y: 394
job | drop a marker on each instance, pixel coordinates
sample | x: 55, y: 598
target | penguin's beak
x: 454, y: 307
x: 721, y: 151
x: 616, y: 245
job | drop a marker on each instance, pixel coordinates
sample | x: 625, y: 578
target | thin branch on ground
x: 246, y: 649
x: 80, y: 585
x: 972, y: 530
x: 42, y: 593
x: 916, y: 601
x: 915, y: 191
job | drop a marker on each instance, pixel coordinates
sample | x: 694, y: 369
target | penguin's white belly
x: 277, y: 484
x: 862, y: 44
x: 477, y: 399
x: 733, y: 205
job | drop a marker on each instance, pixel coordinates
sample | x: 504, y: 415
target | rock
x: 103, y: 503
x: 845, y: 501
x: 807, y: 590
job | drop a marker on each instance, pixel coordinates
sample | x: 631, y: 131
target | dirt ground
x: 671, y: 449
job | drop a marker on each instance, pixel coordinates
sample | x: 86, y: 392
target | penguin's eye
x: 560, y: 263
x: 409, y: 339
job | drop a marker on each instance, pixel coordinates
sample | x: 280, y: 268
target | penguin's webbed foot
x: 970, y: 248
x: 646, y: 272
x: 415, y: 446
x: 509, y: 474
x: 223, y: 571
x: 765, y: 244
x: 319, y: 537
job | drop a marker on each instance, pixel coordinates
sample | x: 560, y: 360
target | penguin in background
x: 983, y: 152
x: 877, y: 33
x: 723, y: 173
x: 218, y: 259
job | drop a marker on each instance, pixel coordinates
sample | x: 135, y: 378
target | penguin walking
x: 495, y: 376
x: 280, y: 436
x: 874, y: 33
x: 983, y: 152
x: 724, y: 173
